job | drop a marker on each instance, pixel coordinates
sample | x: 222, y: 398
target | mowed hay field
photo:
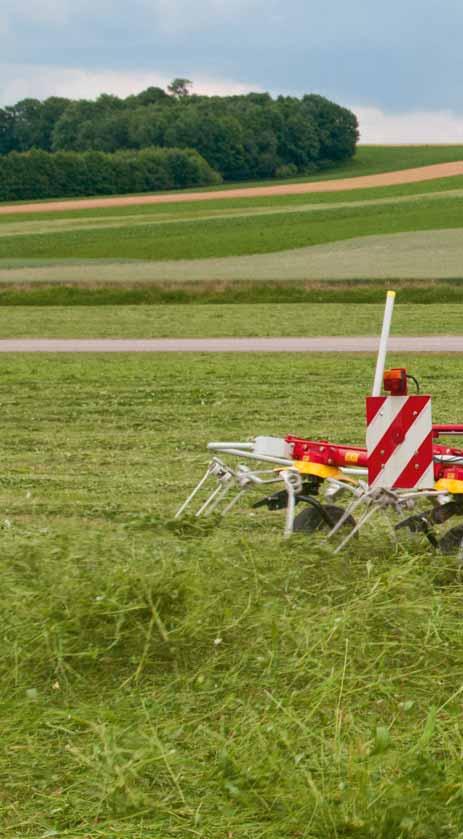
x: 226, y: 320
x: 405, y: 231
x: 205, y: 680
x: 208, y: 678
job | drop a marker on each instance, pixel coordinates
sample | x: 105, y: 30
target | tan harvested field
x: 405, y: 176
x: 431, y: 254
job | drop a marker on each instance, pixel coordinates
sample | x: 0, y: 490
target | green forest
x: 245, y: 137
x: 39, y: 174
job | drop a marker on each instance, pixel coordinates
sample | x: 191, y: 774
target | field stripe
x: 110, y: 222
x: 404, y: 176
x: 430, y: 254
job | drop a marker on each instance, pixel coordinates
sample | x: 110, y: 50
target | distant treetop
x: 180, y: 88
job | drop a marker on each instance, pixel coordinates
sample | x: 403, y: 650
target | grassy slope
x: 236, y: 227
x: 181, y: 321
x: 236, y: 236
x: 371, y: 159
x: 192, y: 210
x: 64, y: 223
x: 256, y: 225
x: 161, y: 681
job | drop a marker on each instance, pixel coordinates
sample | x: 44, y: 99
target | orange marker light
x: 395, y: 381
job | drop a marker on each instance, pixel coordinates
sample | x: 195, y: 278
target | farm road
x: 404, y: 176
x: 421, y: 344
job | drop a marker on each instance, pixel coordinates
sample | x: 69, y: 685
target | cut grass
x: 201, y: 680
x: 186, y: 321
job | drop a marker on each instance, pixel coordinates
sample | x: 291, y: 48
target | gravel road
x: 422, y: 344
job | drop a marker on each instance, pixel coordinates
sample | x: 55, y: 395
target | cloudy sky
x: 398, y: 64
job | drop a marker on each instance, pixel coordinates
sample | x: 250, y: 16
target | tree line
x: 241, y: 137
x: 38, y: 174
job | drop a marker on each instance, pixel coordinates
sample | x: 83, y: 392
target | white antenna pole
x: 382, y: 349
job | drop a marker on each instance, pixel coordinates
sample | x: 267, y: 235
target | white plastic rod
x: 382, y: 349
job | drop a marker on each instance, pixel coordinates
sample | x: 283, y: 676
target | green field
x: 235, y: 236
x: 424, y: 256
x: 195, y: 321
x: 370, y: 160
x: 212, y: 680
x: 409, y: 232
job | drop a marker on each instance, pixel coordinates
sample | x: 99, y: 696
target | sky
x: 397, y: 64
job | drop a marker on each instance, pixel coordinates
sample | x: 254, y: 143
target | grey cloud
x: 397, y: 55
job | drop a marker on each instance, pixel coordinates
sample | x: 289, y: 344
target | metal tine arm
x: 225, y: 489
x: 362, y: 520
x: 242, y: 477
x: 218, y: 489
x: 349, y: 510
x: 199, y: 485
x: 234, y: 501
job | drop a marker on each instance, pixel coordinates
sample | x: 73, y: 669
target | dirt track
x: 405, y: 176
x: 425, y: 344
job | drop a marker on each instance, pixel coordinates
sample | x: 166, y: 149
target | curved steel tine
x: 363, y: 519
x: 348, y: 511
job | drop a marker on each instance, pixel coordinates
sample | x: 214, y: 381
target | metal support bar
x: 220, y: 447
x: 265, y: 458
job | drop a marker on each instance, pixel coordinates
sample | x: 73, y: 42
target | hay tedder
x: 405, y: 468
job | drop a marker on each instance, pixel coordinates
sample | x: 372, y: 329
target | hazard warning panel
x: 399, y: 442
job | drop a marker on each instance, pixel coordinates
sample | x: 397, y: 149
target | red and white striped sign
x: 399, y: 442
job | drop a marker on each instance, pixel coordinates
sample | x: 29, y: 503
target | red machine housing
x: 331, y: 454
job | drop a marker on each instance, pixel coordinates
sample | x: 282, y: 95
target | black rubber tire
x: 451, y: 541
x: 311, y: 519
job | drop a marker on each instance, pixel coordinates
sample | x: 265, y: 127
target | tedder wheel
x: 451, y: 542
x: 312, y: 518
